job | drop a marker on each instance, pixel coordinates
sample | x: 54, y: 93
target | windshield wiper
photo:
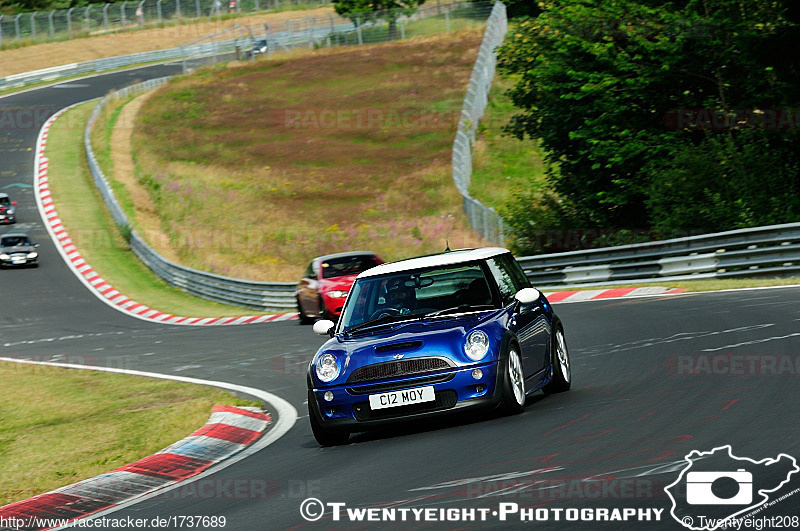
x: 370, y: 324
x: 462, y: 307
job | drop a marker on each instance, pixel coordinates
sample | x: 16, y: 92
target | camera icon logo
x: 700, y: 487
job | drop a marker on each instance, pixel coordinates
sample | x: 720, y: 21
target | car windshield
x: 347, y: 265
x: 14, y: 241
x: 425, y: 292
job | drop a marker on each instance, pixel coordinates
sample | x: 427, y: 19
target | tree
x: 601, y: 83
x: 522, y: 8
x: 364, y: 9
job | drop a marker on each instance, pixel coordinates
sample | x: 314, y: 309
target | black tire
x: 562, y: 369
x: 324, y: 436
x: 513, y: 401
x: 301, y: 316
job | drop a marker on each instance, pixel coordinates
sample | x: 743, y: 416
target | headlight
x: 327, y: 368
x: 4, y: 256
x: 33, y: 254
x: 336, y: 294
x: 10, y: 211
x: 477, y: 345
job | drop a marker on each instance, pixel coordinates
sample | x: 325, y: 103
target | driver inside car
x: 401, y: 297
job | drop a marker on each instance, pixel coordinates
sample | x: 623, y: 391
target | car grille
x: 444, y: 400
x: 392, y: 369
x: 380, y: 388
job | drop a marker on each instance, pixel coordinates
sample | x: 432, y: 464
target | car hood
x: 343, y: 283
x: 439, y: 337
x: 18, y: 249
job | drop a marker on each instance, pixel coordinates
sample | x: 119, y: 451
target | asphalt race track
x: 654, y: 379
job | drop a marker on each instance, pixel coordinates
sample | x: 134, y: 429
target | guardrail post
x: 310, y: 32
x: 402, y: 25
x: 50, y: 23
x: 358, y: 31
x: 447, y: 20
x: 291, y: 29
x: 69, y: 21
x: 122, y: 14
x: 178, y: 9
x: 33, y: 24
x: 197, y: 5
x: 158, y: 9
x: 140, y: 13
x: 256, y: 6
x: 105, y: 16
x: 16, y: 25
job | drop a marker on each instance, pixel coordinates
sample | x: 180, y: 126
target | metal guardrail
x: 484, y: 220
x: 265, y: 296
x: 772, y: 250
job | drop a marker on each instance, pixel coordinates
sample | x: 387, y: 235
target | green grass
x: 503, y: 164
x: 47, y: 412
x: 91, y: 227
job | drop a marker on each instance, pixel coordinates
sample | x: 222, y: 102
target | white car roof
x: 447, y: 258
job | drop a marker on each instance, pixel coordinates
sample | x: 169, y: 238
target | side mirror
x: 527, y: 296
x: 324, y: 327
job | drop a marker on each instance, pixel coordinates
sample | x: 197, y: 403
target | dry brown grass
x: 14, y: 61
x: 148, y: 222
x: 256, y: 169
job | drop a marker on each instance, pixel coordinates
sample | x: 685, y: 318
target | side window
x: 504, y: 280
x: 516, y: 272
x: 310, y: 271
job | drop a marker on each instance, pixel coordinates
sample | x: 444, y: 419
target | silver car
x: 16, y: 249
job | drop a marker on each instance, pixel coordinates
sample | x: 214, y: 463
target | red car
x: 327, y: 281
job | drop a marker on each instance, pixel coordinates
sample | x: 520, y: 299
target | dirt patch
x: 28, y: 58
x: 148, y: 222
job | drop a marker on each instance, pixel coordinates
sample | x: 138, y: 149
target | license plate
x: 402, y: 398
x: 18, y: 260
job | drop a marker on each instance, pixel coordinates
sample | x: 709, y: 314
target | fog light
x: 480, y: 389
x: 477, y: 374
x: 328, y: 396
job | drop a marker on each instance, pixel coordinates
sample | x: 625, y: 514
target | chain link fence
x: 96, y: 19
x: 339, y: 30
x: 484, y: 220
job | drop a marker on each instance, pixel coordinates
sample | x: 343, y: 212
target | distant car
x: 327, y: 281
x: 16, y: 249
x: 259, y: 47
x: 431, y: 336
x: 8, y: 213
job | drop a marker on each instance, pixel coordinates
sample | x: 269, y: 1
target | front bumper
x: 12, y: 263
x: 455, y: 390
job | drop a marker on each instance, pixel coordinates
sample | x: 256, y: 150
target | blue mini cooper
x: 434, y: 335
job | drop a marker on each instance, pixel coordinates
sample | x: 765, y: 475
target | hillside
x: 255, y: 169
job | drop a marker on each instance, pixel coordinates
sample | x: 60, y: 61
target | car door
x: 529, y: 321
